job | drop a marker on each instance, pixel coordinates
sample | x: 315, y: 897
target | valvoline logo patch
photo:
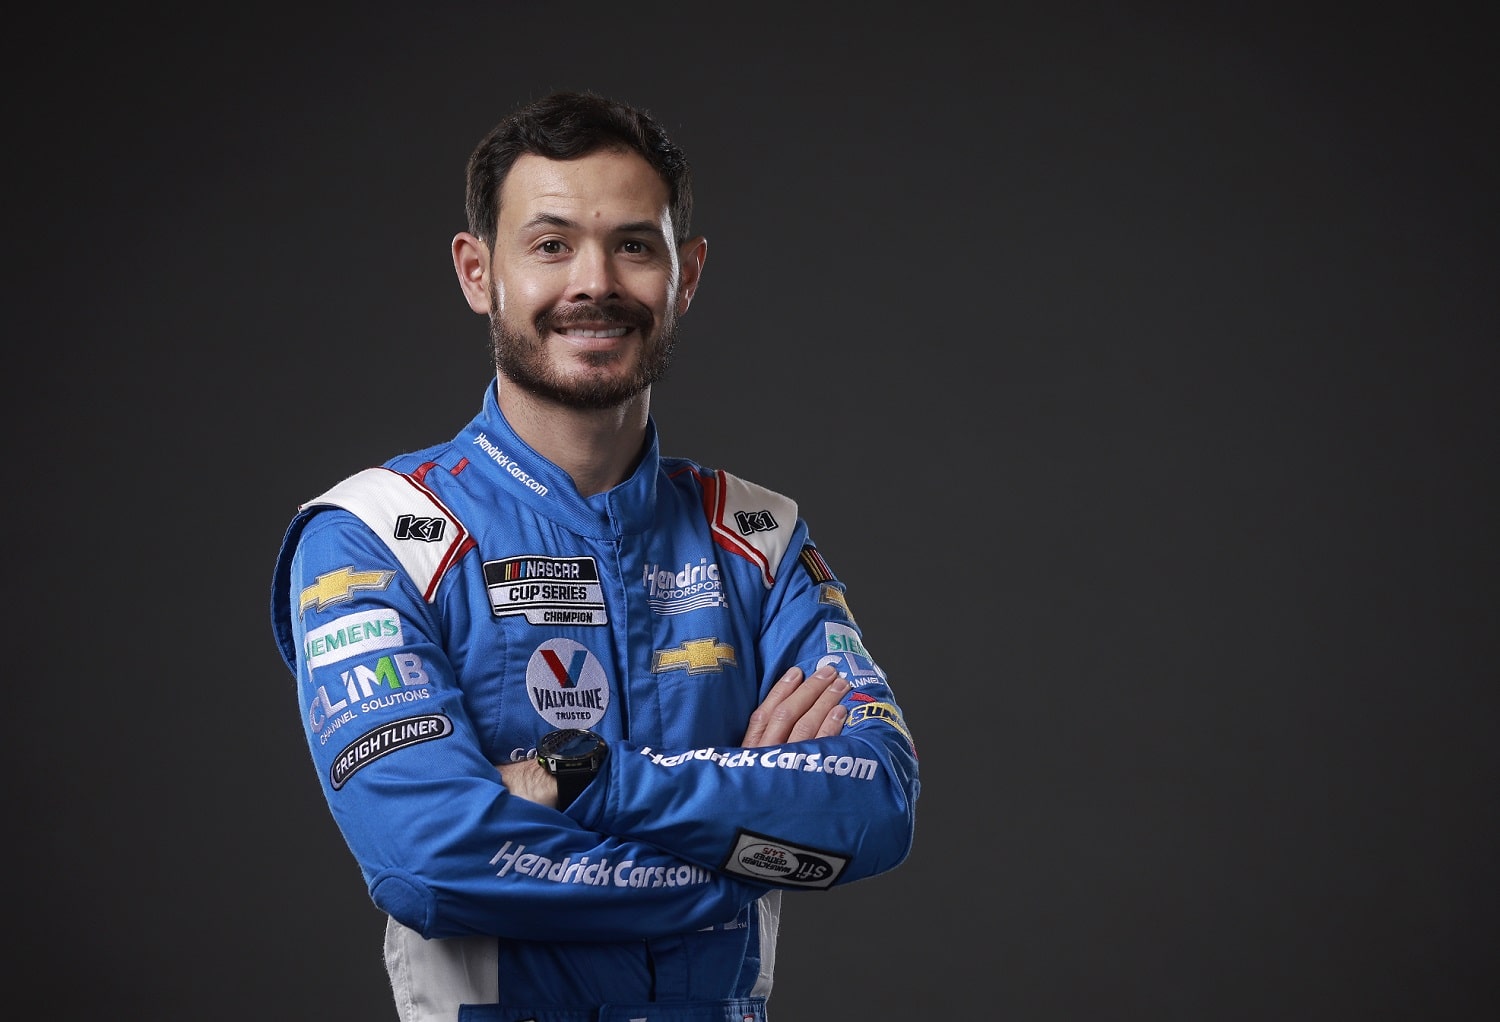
x: 567, y: 684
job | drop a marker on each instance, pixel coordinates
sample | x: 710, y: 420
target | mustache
x: 613, y: 313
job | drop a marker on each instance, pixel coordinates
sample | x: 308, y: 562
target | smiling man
x: 585, y: 252
x: 582, y: 711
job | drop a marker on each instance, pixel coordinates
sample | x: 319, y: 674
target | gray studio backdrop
x: 1136, y: 370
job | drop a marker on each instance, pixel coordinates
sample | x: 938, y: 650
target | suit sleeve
x: 808, y: 814
x: 443, y: 846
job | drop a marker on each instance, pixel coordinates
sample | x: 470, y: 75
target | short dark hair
x: 566, y: 126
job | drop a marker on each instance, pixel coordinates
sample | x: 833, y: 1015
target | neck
x: 598, y: 448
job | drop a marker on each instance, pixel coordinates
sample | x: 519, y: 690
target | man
x: 581, y: 711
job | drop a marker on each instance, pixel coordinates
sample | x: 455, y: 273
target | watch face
x: 570, y: 744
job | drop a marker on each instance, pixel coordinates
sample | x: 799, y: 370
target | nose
x: 593, y: 275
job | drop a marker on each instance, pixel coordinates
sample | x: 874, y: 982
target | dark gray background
x: 1137, y: 371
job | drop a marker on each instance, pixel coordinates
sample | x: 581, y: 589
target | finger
x: 760, y: 718
x: 811, y: 696
x: 786, y: 686
x: 826, y: 714
x: 833, y: 721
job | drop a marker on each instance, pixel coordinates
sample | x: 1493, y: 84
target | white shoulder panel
x: 751, y: 521
x: 425, y: 536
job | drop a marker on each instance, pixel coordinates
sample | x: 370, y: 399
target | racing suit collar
x: 494, y: 447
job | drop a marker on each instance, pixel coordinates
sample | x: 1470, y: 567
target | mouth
x: 595, y: 325
x: 593, y: 333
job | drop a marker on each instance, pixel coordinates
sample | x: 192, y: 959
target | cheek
x: 522, y: 297
x: 653, y: 290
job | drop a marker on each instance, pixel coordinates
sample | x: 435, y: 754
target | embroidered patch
x: 817, y: 568
x: 547, y: 590
x: 567, y: 684
x: 848, y: 655
x: 339, y: 585
x: 383, y: 741
x: 834, y: 597
x: 767, y: 859
x: 351, y: 635
x: 697, y: 656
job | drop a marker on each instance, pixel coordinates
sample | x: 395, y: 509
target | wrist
x: 573, y: 756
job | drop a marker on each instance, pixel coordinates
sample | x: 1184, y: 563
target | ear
x: 693, y: 255
x: 471, y: 261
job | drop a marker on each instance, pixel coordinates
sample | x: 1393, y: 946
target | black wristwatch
x: 573, y: 756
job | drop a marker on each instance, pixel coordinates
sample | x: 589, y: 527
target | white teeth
x: 618, y: 331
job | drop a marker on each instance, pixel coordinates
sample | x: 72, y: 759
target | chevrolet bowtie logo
x: 699, y: 656
x: 832, y: 595
x: 339, y: 585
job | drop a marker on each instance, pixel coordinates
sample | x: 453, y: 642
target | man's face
x: 584, y: 298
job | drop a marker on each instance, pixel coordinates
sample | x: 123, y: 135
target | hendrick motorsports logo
x: 676, y: 592
x: 755, y: 855
x: 384, y: 740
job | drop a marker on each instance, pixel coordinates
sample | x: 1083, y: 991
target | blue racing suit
x: 445, y: 610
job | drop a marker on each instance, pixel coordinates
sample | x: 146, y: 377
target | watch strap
x: 573, y: 769
x: 570, y: 784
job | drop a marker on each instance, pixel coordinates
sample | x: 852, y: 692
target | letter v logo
x: 567, y: 684
x: 567, y: 676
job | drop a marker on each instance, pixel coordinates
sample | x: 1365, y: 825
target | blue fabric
x: 442, y: 612
x: 743, y: 1009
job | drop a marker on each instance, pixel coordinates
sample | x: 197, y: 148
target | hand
x: 798, y: 708
x: 530, y: 780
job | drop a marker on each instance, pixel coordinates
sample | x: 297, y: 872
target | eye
x: 634, y: 247
x: 551, y: 246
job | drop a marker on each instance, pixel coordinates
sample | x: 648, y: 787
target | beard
x: 605, y: 382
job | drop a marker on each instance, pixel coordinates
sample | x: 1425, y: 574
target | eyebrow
x: 553, y: 220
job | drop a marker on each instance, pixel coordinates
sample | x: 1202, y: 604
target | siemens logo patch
x: 764, y: 858
x: 383, y: 741
x: 351, y: 635
x: 848, y: 654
